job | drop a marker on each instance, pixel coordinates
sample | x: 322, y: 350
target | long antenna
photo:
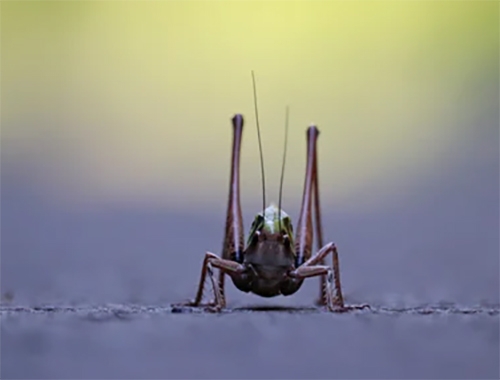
x: 283, y: 167
x: 260, y: 146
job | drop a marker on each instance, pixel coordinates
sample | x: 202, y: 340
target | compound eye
x: 258, y: 219
x: 288, y: 225
x: 256, y: 236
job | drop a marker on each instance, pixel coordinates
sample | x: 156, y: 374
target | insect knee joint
x: 210, y: 269
x: 329, y: 276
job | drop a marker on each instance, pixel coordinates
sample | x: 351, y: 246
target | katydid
x: 273, y: 261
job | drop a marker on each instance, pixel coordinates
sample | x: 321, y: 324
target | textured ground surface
x: 124, y: 341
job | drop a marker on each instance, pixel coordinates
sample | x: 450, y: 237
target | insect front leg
x: 333, y: 289
x: 304, y: 271
x: 211, y: 261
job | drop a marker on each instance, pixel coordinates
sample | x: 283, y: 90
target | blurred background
x: 115, y: 143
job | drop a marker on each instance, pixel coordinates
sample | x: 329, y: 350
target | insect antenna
x: 260, y: 146
x: 283, y: 167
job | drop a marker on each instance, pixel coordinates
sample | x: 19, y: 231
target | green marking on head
x: 269, y: 221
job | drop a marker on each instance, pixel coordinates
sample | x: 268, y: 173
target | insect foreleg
x: 213, y: 261
x: 310, y: 268
x: 305, y: 271
x: 319, y: 258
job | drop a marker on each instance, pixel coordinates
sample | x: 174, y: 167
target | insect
x: 274, y: 261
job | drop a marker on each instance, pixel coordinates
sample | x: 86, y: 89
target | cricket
x: 274, y: 261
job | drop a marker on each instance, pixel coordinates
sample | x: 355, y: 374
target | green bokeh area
x: 107, y: 100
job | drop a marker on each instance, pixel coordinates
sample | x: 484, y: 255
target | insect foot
x: 345, y: 309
